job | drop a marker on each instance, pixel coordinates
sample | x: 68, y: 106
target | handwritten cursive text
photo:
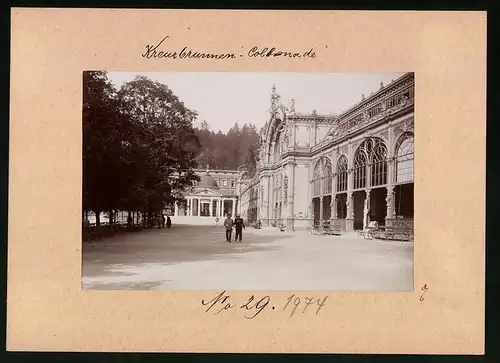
x: 154, y: 51
x: 159, y: 50
x: 222, y: 302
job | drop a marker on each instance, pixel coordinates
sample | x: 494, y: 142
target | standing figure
x: 169, y: 222
x: 239, y: 226
x: 228, y: 224
x: 163, y: 221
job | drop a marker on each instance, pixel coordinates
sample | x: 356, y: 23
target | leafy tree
x: 104, y: 131
x: 139, y: 146
x: 165, y: 142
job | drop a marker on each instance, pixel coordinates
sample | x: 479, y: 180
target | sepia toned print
x: 59, y: 294
x: 169, y: 202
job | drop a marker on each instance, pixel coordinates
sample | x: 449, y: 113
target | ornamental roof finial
x: 275, y: 99
x: 381, y: 85
x: 292, y: 106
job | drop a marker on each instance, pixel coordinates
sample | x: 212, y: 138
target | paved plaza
x: 198, y: 258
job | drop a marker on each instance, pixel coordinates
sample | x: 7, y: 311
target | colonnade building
x: 350, y: 169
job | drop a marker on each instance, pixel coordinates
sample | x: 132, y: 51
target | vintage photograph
x: 248, y: 181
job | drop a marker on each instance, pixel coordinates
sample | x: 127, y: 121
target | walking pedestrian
x: 228, y: 224
x: 169, y: 222
x: 239, y: 227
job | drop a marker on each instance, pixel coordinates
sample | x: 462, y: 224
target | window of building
x: 327, y: 177
x: 404, y: 158
x: 205, y: 209
x: 322, y: 177
x: 371, y: 155
x: 224, y: 182
x: 378, y: 164
x: 232, y: 183
x: 342, y: 174
x: 360, y: 169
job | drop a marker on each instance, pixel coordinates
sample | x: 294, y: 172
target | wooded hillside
x: 237, y: 147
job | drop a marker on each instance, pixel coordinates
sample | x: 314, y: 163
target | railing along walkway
x: 325, y: 228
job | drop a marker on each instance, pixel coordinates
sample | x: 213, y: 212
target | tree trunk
x: 97, y: 221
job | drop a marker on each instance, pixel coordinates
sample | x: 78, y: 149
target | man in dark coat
x: 228, y: 224
x: 239, y: 227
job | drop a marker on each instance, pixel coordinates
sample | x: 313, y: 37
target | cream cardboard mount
x: 48, y: 310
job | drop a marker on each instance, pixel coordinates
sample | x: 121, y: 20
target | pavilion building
x: 214, y: 196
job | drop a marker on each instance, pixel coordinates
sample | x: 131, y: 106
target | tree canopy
x: 139, y: 145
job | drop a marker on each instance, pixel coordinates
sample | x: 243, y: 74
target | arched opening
x: 370, y: 179
x: 322, y: 190
x: 404, y: 188
x: 360, y: 163
x: 404, y: 158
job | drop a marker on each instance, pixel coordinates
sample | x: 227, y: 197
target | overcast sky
x: 223, y: 98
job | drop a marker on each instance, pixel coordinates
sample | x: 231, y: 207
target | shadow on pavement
x: 181, y: 243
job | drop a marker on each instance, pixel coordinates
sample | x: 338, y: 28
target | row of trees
x: 139, y: 146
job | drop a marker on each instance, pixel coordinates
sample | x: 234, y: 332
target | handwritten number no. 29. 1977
x: 295, y: 301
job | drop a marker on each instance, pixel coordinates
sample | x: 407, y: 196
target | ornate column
x: 349, y: 220
x: 233, y: 207
x: 390, y: 200
x: 333, y: 206
x: 321, y: 210
x: 272, y: 196
x: 210, y: 208
x: 199, y: 207
x: 310, y: 210
x: 290, y: 194
x: 176, y: 209
x: 265, y: 200
x: 366, y: 210
x: 390, y: 205
x: 272, y: 152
